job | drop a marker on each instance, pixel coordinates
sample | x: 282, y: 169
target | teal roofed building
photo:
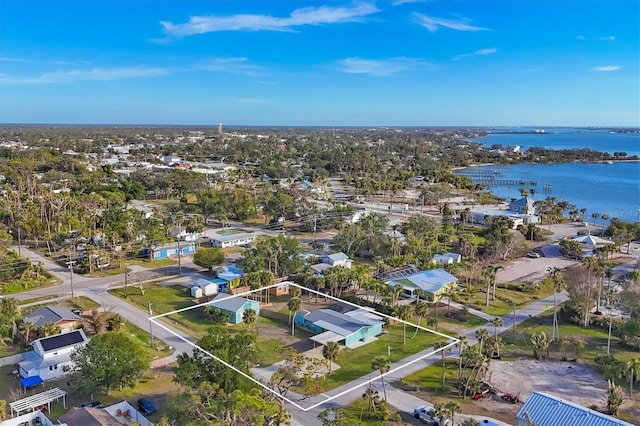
x: 234, y: 305
x: 352, y: 329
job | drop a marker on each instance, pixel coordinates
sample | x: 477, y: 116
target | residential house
x: 169, y: 250
x: 524, y: 205
x: 280, y: 289
x: 118, y: 414
x: 232, y: 239
x: 543, y: 409
x: 434, y: 282
x: 337, y: 259
x: 234, y: 305
x: 352, y: 329
x: 447, y: 258
x: 178, y: 233
x: 51, y: 356
x: 62, y: 317
x: 227, y: 276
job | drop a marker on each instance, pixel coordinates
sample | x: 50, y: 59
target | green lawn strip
x: 83, y: 303
x: 144, y: 338
x: 38, y: 299
x: 429, y: 379
x: 359, y: 410
x: 356, y: 363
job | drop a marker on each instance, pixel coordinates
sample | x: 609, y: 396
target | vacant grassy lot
x: 505, y: 298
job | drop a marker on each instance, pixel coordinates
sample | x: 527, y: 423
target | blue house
x: 352, y: 329
x: 234, y: 305
x: 434, y: 282
x: 169, y: 250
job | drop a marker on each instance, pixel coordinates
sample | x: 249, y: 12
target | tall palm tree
x: 558, y: 285
x: 27, y: 327
x: 452, y: 408
x: 403, y: 313
x: 382, y: 364
x: 330, y: 352
x: 440, y: 346
x: 482, y: 335
x: 50, y: 329
x: 632, y: 367
x: 421, y: 310
x: 462, y: 342
x: 497, y: 322
x: 250, y: 317
x: 294, y: 307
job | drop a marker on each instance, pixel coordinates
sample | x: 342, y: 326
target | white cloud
x: 401, y: 2
x: 606, y: 68
x: 248, y: 22
x: 433, y: 24
x: 601, y: 38
x: 232, y: 66
x: 479, y: 52
x: 381, y: 67
x: 103, y: 74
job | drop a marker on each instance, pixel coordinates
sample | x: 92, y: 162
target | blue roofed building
x: 434, y: 282
x: 545, y: 410
x: 353, y: 328
x: 234, y: 305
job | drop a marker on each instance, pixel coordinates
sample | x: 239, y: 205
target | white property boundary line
x: 154, y: 318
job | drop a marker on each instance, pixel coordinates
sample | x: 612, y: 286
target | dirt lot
x: 567, y: 380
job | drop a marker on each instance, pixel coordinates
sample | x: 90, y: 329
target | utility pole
x: 315, y: 231
x: 70, y: 264
x: 126, y: 280
x: 179, y: 259
x: 150, y: 325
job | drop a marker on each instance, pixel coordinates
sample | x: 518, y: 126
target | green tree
x: 294, y: 306
x: 209, y: 257
x: 330, y: 352
x: 382, y: 364
x: 615, y: 398
x: 452, y: 408
x: 540, y: 343
x: 249, y: 317
x: 108, y: 360
x: 632, y: 368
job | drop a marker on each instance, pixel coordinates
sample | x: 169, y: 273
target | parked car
x: 96, y: 404
x: 423, y: 413
x: 146, y: 407
x: 533, y: 255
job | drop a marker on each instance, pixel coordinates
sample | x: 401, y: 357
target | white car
x: 422, y: 413
x: 533, y: 255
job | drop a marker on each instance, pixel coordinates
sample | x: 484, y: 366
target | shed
x: 196, y: 292
x: 208, y: 288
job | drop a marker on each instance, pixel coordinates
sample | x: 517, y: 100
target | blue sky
x: 296, y: 62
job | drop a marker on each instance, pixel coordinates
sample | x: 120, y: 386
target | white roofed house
x: 434, y: 282
x: 51, y: 356
x: 337, y: 259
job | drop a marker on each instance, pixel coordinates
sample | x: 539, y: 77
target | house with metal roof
x: 353, y: 328
x: 543, y: 409
x: 434, y: 282
x: 51, y: 356
x: 234, y: 305
x: 62, y: 317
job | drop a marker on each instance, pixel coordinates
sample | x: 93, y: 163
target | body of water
x: 566, y: 138
x: 612, y: 189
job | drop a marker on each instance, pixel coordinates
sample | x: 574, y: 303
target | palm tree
x: 27, y: 327
x: 633, y: 368
x: 330, y: 352
x: 540, y: 343
x: 440, y: 346
x: 558, y: 285
x: 294, y: 306
x: 404, y: 312
x: 497, y: 322
x: 615, y: 398
x: 421, y: 310
x: 250, y: 317
x: 382, y: 364
x: 439, y: 412
x: 50, y: 329
x: 452, y: 407
x: 116, y: 322
x: 482, y: 335
x: 463, y: 341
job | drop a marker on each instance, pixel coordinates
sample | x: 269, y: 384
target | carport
x: 326, y: 337
x: 31, y: 403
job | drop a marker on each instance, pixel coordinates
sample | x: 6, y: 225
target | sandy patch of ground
x: 572, y: 382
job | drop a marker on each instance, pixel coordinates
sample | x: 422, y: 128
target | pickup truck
x: 422, y: 413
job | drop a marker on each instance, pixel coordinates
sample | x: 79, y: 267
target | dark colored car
x: 146, y: 407
x: 91, y: 404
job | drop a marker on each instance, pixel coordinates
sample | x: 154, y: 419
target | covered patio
x: 34, y: 402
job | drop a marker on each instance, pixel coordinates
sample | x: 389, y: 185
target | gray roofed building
x: 88, y: 416
x: 545, y: 410
x: 54, y: 315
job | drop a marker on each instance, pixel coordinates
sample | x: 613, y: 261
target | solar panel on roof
x: 61, y: 340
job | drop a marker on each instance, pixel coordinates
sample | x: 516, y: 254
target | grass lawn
x: 159, y: 263
x: 144, y: 338
x: 83, y: 303
x: 500, y: 306
x: 356, y: 363
x: 359, y: 410
x: 37, y: 299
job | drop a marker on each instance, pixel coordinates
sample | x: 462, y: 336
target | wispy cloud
x: 433, y: 24
x: 249, y: 22
x: 601, y: 38
x: 401, y: 2
x: 606, y: 68
x: 232, y: 66
x: 479, y: 52
x: 103, y: 74
x: 381, y: 67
